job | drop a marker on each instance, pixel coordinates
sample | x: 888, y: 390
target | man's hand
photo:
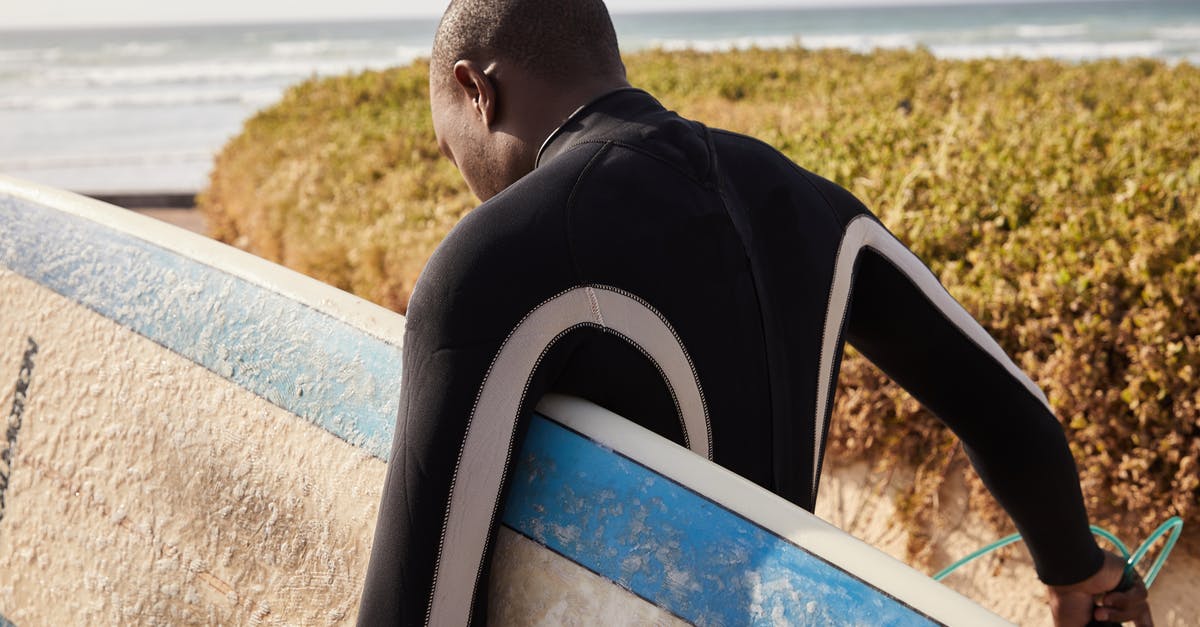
x: 1091, y: 599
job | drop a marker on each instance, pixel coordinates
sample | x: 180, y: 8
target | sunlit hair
x: 552, y: 39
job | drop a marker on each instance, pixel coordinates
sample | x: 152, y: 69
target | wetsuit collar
x: 562, y: 137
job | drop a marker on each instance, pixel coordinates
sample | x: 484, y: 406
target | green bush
x: 1060, y: 203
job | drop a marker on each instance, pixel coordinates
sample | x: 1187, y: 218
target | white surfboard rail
x: 386, y: 324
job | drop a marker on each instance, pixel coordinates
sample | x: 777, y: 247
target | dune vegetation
x: 1060, y: 203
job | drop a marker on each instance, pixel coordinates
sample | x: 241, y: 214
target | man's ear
x: 479, y: 87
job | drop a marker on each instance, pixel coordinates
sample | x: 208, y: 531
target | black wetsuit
x: 698, y: 282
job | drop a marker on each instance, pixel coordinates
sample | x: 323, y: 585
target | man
x: 691, y: 279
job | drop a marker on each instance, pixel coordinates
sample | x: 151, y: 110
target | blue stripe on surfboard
x: 674, y: 547
x: 4, y: 622
x: 295, y: 357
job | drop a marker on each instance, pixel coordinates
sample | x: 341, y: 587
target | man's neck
x: 552, y: 135
x: 548, y: 108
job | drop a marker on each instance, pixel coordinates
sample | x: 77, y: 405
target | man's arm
x: 1015, y: 443
x: 904, y: 321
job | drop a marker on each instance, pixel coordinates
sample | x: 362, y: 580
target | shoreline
x: 147, y: 200
x: 174, y: 207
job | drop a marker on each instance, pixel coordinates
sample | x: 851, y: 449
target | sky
x: 74, y: 13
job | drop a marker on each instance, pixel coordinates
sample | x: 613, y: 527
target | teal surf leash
x: 1173, y: 525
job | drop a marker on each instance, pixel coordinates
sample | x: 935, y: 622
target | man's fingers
x: 1142, y: 620
x: 1113, y: 615
x: 1128, y: 605
x: 1076, y: 603
x: 1120, y: 607
x: 1134, y: 597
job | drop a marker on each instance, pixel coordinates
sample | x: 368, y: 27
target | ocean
x: 145, y: 109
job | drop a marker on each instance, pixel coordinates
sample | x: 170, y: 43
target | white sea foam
x: 29, y: 55
x: 1182, y: 32
x: 131, y: 84
x: 858, y: 42
x: 861, y: 43
x: 284, y: 66
x: 1047, y: 31
x: 210, y: 71
x: 138, y: 49
x: 955, y: 48
x: 104, y: 160
x: 157, y: 98
x: 1073, y: 51
x: 725, y: 44
x: 318, y: 47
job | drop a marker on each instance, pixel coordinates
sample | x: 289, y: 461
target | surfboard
x: 196, y: 435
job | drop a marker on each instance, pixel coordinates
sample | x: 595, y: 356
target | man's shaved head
x: 555, y: 40
x: 506, y: 73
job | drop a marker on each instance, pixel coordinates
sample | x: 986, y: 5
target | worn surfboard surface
x: 196, y: 436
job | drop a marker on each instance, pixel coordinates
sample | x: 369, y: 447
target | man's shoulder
x: 752, y: 151
x: 507, y: 240
x: 516, y: 211
x: 754, y: 162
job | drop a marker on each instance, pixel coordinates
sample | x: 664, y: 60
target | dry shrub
x: 1059, y: 202
x: 341, y: 180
